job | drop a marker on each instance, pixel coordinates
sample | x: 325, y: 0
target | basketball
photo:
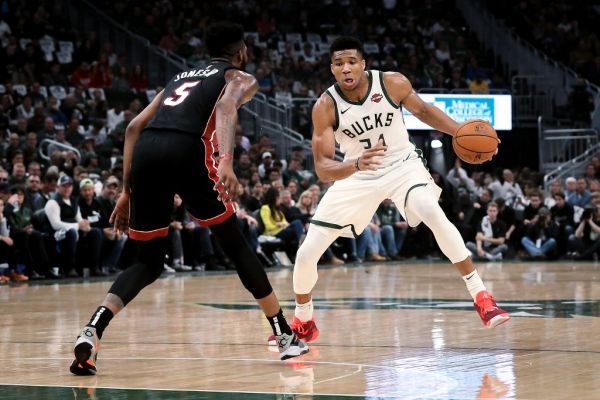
x: 475, y: 141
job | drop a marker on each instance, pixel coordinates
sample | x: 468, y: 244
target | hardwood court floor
x: 391, y: 330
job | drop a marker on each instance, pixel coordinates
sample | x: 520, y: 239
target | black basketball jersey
x: 188, y: 101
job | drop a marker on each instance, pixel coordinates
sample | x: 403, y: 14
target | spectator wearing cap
x: 570, y: 185
x: 70, y: 229
x: 93, y: 210
x: 266, y: 164
x: 541, y: 237
x: 28, y: 242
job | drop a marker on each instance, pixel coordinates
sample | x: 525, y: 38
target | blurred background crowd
x: 68, y: 95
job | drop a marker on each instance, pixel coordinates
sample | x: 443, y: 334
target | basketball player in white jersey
x: 363, y: 113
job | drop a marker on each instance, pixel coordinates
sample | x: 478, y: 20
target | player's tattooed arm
x: 323, y: 145
x: 402, y: 92
x: 240, y: 88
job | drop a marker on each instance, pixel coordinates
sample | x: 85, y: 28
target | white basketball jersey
x: 360, y: 124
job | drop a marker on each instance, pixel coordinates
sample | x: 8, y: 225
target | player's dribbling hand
x: 370, y: 160
x: 120, y: 215
x: 227, y: 184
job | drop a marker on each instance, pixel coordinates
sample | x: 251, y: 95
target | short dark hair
x: 559, y: 194
x: 346, y: 43
x: 224, y: 39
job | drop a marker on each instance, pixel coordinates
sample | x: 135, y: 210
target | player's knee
x: 305, y: 271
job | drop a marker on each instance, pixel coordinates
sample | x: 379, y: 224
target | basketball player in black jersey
x: 183, y: 141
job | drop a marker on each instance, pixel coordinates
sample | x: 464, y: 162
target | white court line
x: 359, y: 369
x: 442, y: 389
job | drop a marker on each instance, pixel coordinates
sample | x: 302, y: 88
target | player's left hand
x: 120, y: 215
x: 228, y: 183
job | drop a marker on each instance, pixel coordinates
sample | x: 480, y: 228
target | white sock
x: 474, y: 283
x: 304, y: 312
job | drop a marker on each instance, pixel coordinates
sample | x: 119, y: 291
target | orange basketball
x: 475, y: 141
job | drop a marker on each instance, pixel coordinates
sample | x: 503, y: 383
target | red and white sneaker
x: 306, y: 331
x: 490, y: 313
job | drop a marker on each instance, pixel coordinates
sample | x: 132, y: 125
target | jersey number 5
x: 180, y: 94
x: 367, y: 142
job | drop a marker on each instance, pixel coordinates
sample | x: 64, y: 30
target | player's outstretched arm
x: 240, y: 89
x: 323, y: 146
x: 402, y: 92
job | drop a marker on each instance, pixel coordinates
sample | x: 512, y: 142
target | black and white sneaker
x: 290, y: 346
x: 86, y: 352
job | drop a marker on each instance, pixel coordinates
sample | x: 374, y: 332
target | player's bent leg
x: 255, y: 280
x: 428, y: 210
x: 127, y: 285
x: 317, y: 240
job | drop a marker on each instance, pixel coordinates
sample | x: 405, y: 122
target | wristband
x: 356, y: 164
x: 226, y: 156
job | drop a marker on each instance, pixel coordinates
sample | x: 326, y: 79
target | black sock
x: 279, y: 324
x: 100, y: 320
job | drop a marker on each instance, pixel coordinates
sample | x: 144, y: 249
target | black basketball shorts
x: 166, y: 163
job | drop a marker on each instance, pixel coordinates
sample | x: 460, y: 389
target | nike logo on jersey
x: 343, y: 111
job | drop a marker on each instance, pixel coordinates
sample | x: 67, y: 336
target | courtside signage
x: 496, y: 109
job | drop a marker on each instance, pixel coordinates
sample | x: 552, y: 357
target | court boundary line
x: 317, y: 345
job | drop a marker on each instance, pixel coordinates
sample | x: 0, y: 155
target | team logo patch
x: 376, y: 97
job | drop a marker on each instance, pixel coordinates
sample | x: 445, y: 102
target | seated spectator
x: 254, y: 201
x: 28, y: 242
x: 563, y: 214
x: 92, y: 210
x: 290, y: 211
x: 531, y: 210
x: 19, y: 173
x: 393, y: 228
x: 7, y: 252
x: 266, y: 165
x: 33, y: 197
x: 138, y: 79
x: 540, y: 239
x: 570, y: 186
x: 581, y: 197
x: 71, y: 231
x: 510, y: 190
x: 367, y: 243
x: 175, y: 227
x: 507, y: 215
x: 490, y: 238
x: 113, y: 243
x: 276, y: 225
x: 584, y: 244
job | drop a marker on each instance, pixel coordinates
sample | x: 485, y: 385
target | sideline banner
x: 496, y: 109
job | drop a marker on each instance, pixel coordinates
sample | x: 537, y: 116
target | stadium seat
x: 58, y: 91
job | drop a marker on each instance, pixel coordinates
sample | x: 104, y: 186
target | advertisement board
x: 496, y: 109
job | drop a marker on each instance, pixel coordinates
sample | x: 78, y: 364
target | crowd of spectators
x: 288, y: 40
x: 56, y: 198
x: 564, y: 30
